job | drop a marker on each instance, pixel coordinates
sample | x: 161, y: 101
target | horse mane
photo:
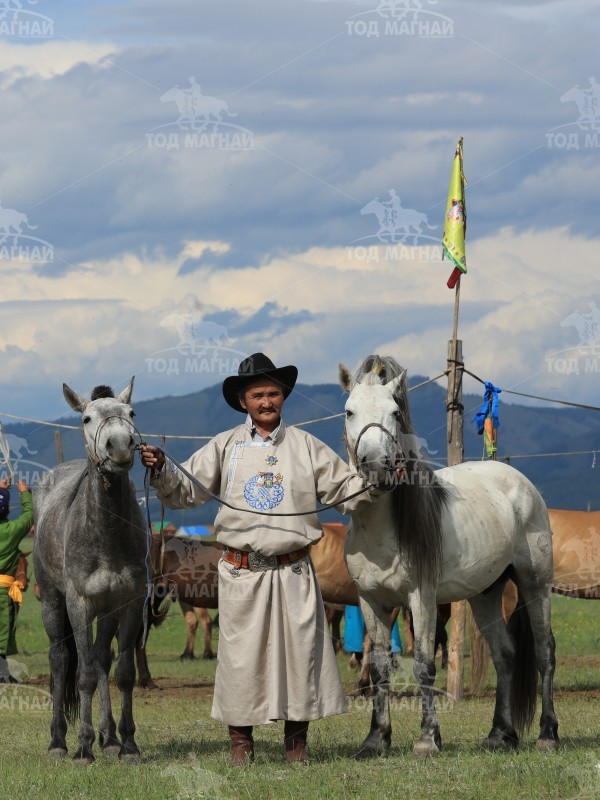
x: 419, y: 498
x: 101, y: 391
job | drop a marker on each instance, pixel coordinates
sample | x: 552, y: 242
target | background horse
x: 576, y: 551
x: 89, y: 561
x: 456, y: 534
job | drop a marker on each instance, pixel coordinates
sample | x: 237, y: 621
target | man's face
x: 263, y: 400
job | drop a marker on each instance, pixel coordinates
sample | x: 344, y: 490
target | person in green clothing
x: 11, y: 533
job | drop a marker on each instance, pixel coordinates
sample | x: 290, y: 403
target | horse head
x: 376, y: 417
x: 107, y: 426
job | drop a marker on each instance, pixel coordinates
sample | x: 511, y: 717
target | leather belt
x: 257, y: 562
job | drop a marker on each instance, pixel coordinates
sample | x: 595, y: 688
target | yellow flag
x: 455, y: 220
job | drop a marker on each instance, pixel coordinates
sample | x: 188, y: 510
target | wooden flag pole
x: 456, y: 455
x: 59, y: 449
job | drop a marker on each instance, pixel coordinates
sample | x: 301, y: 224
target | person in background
x: 11, y: 533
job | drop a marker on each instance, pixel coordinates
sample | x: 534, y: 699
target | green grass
x: 185, y: 753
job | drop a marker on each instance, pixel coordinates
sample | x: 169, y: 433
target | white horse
x: 437, y: 537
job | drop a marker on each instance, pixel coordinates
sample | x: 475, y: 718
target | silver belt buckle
x: 257, y: 562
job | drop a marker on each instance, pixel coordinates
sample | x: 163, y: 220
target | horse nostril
x: 108, y: 444
x: 131, y: 441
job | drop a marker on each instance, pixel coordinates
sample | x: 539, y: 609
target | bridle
x: 400, y: 462
x: 93, y: 453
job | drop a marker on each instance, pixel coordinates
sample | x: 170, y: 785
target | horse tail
x: 480, y: 657
x: 71, y: 694
x: 525, y: 672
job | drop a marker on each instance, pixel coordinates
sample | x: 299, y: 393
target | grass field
x: 185, y: 753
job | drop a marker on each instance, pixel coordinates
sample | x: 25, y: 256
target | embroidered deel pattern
x: 264, y: 491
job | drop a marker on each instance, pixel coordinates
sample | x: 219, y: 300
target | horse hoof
x: 546, y: 745
x: 425, y: 748
x: 372, y: 750
x: 83, y: 761
x: 208, y: 656
x: 111, y: 750
x: 130, y: 758
x: 57, y: 753
x: 500, y: 745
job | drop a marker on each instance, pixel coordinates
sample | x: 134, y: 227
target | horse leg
x: 81, y: 616
x: 206, y: 622
x: 129, y: 626
x: 424, y: 614
x: 537, y: 603
x: 408, y: 634
x: 191, y: 624
x: 107, y: 729
x: 54, y: 619
x: 441, y: 635
x: 377, y: 624
x: 336, y: 633
x: 364, y: 679
x: 145, y: 679
x: 487, y: 614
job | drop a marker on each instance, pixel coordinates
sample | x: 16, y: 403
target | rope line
x: 459, y: 364
x: 190, y: 436
x: 265, y: 513
x: 462, y: 367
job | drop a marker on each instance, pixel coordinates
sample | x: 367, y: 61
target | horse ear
x: 125, y: 396
x: 76, y: 401
x: 397, y: 384
x: 345, y: 378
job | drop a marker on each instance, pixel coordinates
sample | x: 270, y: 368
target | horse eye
x: 397, y: 414
x: 349, y: 413
x: 86, y: 420
x: 132, y: 413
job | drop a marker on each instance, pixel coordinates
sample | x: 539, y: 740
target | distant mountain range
x: 565, y: 481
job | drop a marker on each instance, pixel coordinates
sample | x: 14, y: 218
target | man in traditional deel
x: 275, y: 658
x: 11, y: 533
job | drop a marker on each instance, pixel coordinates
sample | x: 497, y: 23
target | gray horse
x: 90, y: 563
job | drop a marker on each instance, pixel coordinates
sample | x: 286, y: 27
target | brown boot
x: 242, y: 745
x: 295, y: 734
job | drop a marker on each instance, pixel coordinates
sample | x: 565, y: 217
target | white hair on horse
x: 417, y: 513
x: 455, y: 534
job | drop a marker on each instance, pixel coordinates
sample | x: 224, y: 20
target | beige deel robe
x: 275, y: 657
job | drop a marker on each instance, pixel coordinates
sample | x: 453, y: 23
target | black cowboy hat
x: 254, y: 368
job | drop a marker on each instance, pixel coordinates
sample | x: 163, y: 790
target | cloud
x: 267, y: 239
x: 50, y: 59
x: 313, y: 308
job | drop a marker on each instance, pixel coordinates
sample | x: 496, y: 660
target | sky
x: 183, y: 184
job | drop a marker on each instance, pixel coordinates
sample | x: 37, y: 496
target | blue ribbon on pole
x: 488, y: 408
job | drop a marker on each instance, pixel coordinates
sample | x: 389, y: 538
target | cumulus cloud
x: 181, y: 331
x: 265, y: 246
